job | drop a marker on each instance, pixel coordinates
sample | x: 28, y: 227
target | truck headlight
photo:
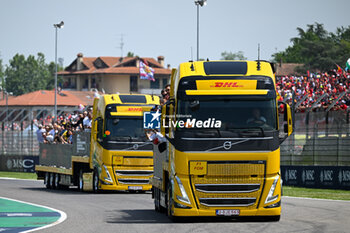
x: 108, y: 178
x: 184, y: 198
x: 270, y: 197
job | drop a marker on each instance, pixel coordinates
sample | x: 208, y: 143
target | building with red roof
x: 46, y: 98
x: 40, y: 104
x: 114, y: 74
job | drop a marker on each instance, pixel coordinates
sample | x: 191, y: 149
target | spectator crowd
x: 62, y: 130
x: 331, y: 83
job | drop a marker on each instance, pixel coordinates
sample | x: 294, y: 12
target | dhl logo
x: 135, y: 109
x: 226, y: 84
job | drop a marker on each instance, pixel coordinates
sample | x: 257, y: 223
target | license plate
x: 227, y: 212
x: 135, y: 187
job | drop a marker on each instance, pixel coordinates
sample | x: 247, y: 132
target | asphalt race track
x: 124, y: 212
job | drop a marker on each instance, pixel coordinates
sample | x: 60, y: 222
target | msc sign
x: 151, y: 120
x: 18, y: 163
x: 336, y: 177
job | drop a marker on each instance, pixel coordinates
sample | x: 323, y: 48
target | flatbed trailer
x: 114, y: 155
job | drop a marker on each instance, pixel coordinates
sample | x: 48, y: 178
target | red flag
x: 339, y: 70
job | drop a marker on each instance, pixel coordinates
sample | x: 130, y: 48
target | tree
x: 24, y: 75
x: 317, y: 49
x: 2, y: 80
x: 51, y: 81
x: 233, y: 56
x: 130, y: 54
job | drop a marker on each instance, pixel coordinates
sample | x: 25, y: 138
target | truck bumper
x: 256, y: 212
x: 126, y: 187
x: 130, y: 179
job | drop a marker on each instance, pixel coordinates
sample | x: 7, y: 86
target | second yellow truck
x: 115, y: 155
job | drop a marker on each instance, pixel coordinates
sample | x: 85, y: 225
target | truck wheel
x: 81, y: 181
x: 52, y: 179
x: 169, y: 201
x: 169, y: 204
x: 47, y: 180
x: 96, y: 182
x: 156, y: 200
x: 57, y: 181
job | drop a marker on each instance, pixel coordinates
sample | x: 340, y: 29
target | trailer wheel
x: 47, y: 180
x: 52, y: 180
x: 57, y: 181
x: 96, y: 182
x: 81, y: 181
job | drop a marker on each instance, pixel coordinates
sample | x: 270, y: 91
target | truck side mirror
x: 288, y: 117
x: 287, y: 121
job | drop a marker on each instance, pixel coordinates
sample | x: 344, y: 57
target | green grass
x: 316, y: 193
x: 19, y: 175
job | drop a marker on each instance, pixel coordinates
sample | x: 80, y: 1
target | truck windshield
x: 228, y: 116
x: 125, y: 129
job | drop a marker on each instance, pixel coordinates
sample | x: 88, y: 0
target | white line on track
x: 60, y: 220
x: 10, y: 178
x: 319, y: 199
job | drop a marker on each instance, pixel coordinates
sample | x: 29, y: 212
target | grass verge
x: 332, y: 194
x: 19, y: 175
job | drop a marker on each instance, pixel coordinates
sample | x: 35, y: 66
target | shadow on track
x: 69, y: 191
x: 147, y: 216
x: 136, y: 216
x: 75, y: 191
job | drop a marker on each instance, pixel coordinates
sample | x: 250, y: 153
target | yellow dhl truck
x: 115, y: 155
x: 222, y: 154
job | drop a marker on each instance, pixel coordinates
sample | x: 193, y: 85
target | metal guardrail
x: 25, y: 143
x: 18, y: 143
x: 319, y: 142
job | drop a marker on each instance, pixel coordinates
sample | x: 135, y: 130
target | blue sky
x: 160, y: 27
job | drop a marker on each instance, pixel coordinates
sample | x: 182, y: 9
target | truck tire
x: 169, y: 202
x: 52, y: 179
x: 57, y: 181
x: 156, y: 200
x: 81, y: 181
x: 47, y: 180
x: 95, y: 182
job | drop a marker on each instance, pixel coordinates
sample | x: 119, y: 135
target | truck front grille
x: 229, y: 184
x: 134, y: 172
x: 133, y: 181
x: 227, y: 188
x: 227, y: 202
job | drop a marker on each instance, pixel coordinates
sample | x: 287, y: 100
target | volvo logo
x: 135, y: 146
x: 227, y: 145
